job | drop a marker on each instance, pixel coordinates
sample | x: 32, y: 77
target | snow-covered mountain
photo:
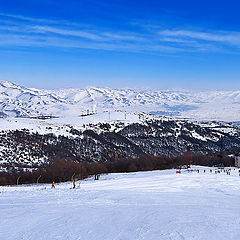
x: 28, y: 143
x: 19, y: 101
x: 100, y: 124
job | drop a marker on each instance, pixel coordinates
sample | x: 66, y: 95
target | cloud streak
x: 65, y: 32
x: 21, y: 31
x: 224, y: 37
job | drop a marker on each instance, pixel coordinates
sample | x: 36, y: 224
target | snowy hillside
x: 20, y: 101
x: 145, y: 205
x: 28, y: 143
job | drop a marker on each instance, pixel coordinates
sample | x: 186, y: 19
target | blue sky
x: 137, y: 44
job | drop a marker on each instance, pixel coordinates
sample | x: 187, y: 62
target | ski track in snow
x: 145, y: 205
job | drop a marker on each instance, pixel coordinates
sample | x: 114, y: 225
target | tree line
x: 60, y: 170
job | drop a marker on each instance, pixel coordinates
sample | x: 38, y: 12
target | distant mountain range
x: 18, y: 101
x: 101, y: 124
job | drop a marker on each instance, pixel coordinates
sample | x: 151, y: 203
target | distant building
x: 237, y: 161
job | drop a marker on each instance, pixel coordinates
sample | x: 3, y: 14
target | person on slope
x: 53, y: 185
x: 74, y: 184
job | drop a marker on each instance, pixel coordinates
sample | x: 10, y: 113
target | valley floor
x: 158, y: 205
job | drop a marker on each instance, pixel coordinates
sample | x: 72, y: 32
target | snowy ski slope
x: 159, y: 205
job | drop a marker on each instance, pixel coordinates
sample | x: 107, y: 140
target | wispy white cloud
x: 177, y: 40
x: 21, y: 40
x: 18, y: 30
x: 65, y: 32
x: 124, y: 36
x: 34, y: 20
x: 221, y: 36
x: 64, y: 28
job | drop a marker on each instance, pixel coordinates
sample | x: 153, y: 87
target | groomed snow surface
x: 153, y: 205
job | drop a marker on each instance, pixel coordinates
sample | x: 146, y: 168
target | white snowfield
x: 159, y: 205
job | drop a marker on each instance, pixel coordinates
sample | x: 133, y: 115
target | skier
x: 53, y: 185
x: 74, y: 184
